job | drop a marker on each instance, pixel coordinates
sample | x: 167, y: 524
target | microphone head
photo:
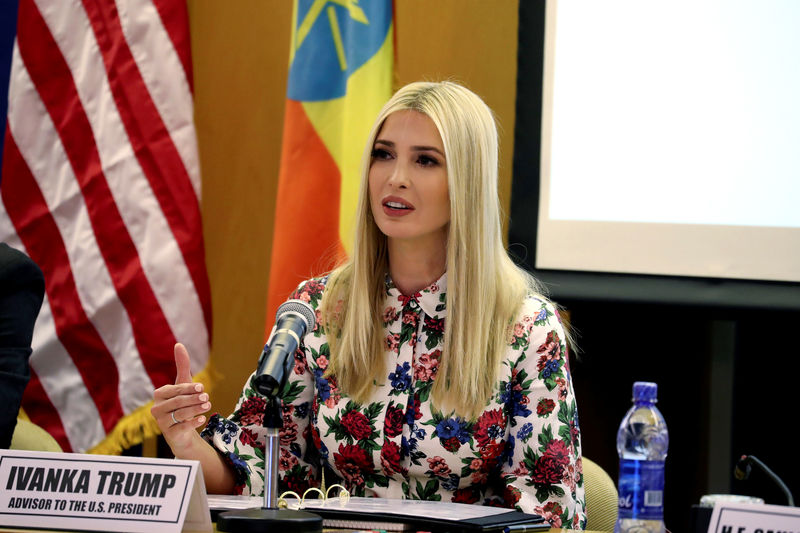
x: 742, y: 470
x: 298, y: 308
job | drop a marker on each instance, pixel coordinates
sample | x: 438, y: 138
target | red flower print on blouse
x: 249, y: 438
x: 570, y: 477
x: 410, y: 318
x: 297, y: 479
x: 316, y: 438
x: 491, y: 454
x: 466, y: 495
x: 434, y: 325
x: 353, y: 462
x: 490, y: 426
x: 545, y: 406
x: 562, y: 389
x: 413, y: 403
x: 521, y: 470
x: 550, y: 349
x: 393, y: 423
x: 357, y: 425
x: 389, y: 315
x: 392, y: 342
x: 252, y: 411
x: 317, y: 319
x: 287, y: 461
x: 549, y: 468
x: 574, y: 432
x: 451, y: 445
x: 299, y: 362
x: 390, y: 458
x: 511, y: 495
x: 427, y: 366
x: 551, y: 512
x: 438, y: 466
x: 288, y: 432
x: 308, y: 290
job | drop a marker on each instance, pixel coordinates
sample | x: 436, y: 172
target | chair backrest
x: 29, y: 436
x: 601, y: 497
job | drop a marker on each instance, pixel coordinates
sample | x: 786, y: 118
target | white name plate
x: 753, y: 518
x: 101, y: 493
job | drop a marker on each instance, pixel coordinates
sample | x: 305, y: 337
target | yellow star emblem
x: 356, y: 13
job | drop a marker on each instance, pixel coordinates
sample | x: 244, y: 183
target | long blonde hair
x: 484, y: 287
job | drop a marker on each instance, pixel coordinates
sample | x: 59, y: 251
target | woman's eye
x: 427, y: 161
x: 380, y: 153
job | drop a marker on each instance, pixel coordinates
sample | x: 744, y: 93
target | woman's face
x: 408, y: 180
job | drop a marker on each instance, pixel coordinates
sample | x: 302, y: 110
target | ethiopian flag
x: 340, y: 75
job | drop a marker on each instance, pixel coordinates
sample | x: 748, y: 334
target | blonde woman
x: 436, y: 370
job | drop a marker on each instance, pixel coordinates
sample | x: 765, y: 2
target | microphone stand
x: 269, y: 517
x: 742, y: 472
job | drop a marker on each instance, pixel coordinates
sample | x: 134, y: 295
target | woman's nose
x: 399, y: 176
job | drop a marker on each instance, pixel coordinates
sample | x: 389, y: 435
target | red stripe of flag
x: 53, y: 80
x: 175, y: 18
x: 152, y: 144
x: 41, y: 411
x: 39, y: 233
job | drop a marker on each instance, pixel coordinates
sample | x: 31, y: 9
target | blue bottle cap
x: 645, y: 391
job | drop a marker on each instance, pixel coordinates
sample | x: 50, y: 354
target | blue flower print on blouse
x: 401, y: 379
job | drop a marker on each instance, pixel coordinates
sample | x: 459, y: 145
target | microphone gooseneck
x: 293, y: 319
x: 743, y: 468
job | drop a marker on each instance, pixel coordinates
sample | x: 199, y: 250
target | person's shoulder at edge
x: 17, y: 267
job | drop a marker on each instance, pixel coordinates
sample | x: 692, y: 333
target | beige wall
x: 240, y: 56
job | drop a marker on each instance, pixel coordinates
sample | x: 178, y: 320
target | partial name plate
x: 730, y: 517
x: 46, y: 490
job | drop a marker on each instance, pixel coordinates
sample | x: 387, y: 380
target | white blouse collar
x: 431, y: 299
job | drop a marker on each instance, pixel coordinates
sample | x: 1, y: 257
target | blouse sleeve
x: 241, y: 438
x: 543, y: 471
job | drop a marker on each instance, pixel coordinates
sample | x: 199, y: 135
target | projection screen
x: 670, y: 139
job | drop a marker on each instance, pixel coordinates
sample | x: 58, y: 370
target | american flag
x: 100, y: 186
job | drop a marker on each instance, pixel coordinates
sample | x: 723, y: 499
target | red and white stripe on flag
x: 101, y: 188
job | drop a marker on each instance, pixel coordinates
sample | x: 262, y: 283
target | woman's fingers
x: 183, y: 408
x: 171, y: 391
x: 178, y: 404
x: 178, y: 409
x: 182, y: 364
x: 172, y: 397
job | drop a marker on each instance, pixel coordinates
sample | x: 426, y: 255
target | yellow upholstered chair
x: 29, y: 436
x: 601, y: 497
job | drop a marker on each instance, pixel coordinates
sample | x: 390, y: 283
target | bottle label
x: 641, y: 489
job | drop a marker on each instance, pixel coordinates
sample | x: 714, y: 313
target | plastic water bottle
x: 642, y: 442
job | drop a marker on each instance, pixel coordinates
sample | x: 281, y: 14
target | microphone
x: 743, y: 468
x: 293, y: 319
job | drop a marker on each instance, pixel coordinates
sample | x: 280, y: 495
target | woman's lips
x: 396, y: 207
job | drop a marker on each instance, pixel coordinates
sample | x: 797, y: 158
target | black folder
x: 334, y: 514
x: 404, y: 515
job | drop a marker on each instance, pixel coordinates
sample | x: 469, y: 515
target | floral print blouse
x: 522, y: 452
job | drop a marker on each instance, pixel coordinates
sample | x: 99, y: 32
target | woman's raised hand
x: 178, y: 409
